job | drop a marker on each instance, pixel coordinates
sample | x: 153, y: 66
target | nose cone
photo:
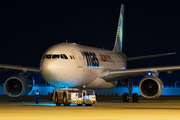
x: 47, y: 71
x: 59, y: 73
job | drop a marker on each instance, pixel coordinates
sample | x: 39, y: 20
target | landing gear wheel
x: 135, y: 97
x: 88, y: 104
x: 56, y: 99
x: 125, y: 97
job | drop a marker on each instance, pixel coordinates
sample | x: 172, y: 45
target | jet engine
x: 151, y: 87
x: 17, y: 86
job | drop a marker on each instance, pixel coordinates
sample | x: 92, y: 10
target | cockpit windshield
x: 55, y: 56
x: 65, y: 57
x: 48, y: 56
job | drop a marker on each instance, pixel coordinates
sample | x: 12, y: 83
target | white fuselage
x: 72, y: 65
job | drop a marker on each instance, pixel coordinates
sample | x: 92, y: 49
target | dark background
x: 28, y: 28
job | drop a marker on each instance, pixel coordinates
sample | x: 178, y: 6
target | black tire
x: 125, y: 97
x: 88, y: 104
x: 65, y: 99
x: 135, y: 97
x: 56, y: 99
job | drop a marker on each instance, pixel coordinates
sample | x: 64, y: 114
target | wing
x: 17, y: 67
x: 149, y: 56
x: 114, y: 75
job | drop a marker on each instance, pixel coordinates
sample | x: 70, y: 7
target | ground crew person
x: 37, y: 94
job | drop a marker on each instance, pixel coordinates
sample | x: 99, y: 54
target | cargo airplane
x: 70, y: 65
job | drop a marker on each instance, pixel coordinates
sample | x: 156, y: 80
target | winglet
x: 119, y: 34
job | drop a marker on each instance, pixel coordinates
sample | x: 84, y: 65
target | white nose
x: 49, y: 72
x: 57, y: 73
x: 50, y: 68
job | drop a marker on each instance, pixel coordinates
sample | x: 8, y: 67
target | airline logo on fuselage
x: 91, y: 58
x: 105, y: 58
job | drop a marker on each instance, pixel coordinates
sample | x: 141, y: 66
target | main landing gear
x: 130, y: 95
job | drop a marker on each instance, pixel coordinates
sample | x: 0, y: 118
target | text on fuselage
x: 91, y: 58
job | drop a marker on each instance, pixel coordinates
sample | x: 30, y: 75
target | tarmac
x: 107, y: 108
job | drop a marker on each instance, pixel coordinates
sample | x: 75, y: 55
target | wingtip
x: 172, y: 53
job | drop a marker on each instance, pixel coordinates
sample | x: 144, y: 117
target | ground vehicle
x: 74, y: 96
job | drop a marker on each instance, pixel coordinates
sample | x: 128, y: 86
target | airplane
x: 70, y: 65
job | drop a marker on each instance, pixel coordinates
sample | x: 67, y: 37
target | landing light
x: 149, y: 73
x: 124, y: 68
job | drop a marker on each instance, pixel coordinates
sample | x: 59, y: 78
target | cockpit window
x: 65, y: 56
x: 55, y: 56
x: 62, y: 57
x: 48, y: 56
x: 44, y: 56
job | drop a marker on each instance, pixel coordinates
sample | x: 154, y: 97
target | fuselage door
x: 79, y: 58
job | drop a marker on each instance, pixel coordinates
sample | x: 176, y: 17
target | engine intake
x: 17, y: 86
x: 151, y: 87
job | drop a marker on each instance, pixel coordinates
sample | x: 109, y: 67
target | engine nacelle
x: 17, y: 86
x: 151, y: 87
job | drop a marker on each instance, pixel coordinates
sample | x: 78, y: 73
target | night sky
x: 27, y: 29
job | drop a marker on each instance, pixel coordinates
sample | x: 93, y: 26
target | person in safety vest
x: 37, y: 94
